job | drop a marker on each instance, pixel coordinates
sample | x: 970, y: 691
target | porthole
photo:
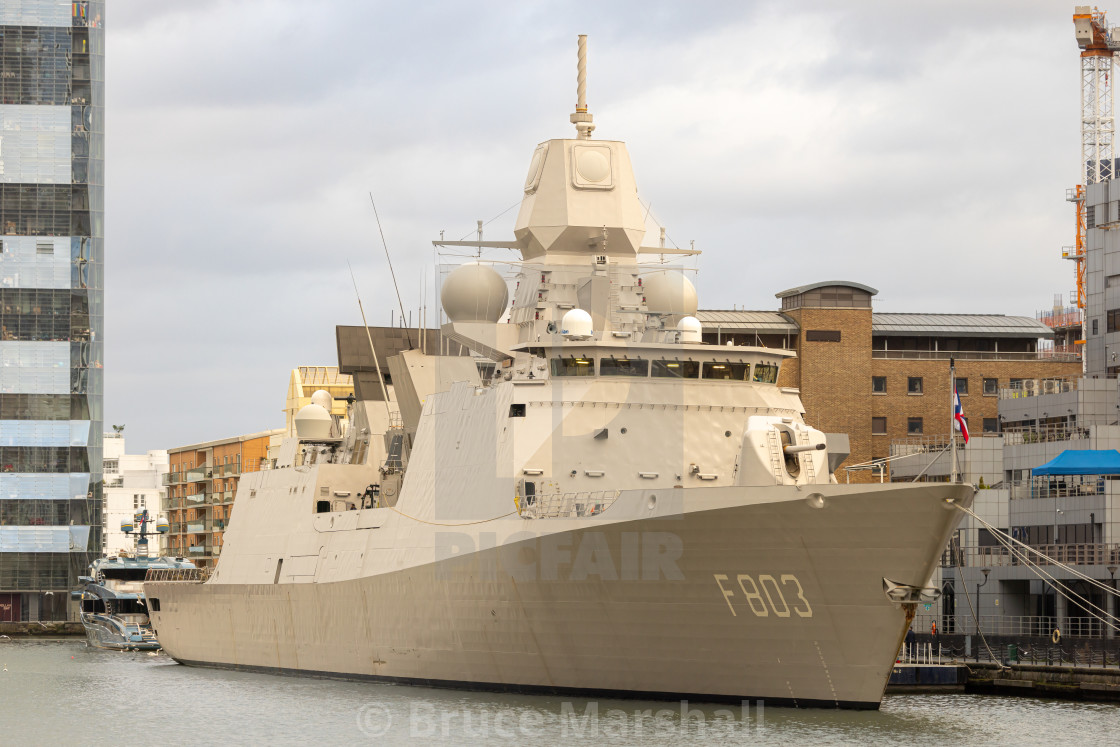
x: 622, y: 430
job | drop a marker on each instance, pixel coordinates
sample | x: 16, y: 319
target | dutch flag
x: 958, y: 416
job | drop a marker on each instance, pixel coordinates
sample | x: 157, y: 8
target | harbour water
x: 60, y: 691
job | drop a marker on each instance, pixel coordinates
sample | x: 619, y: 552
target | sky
x: 923, y: 149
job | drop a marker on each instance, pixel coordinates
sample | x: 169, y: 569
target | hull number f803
x: 764, y: 594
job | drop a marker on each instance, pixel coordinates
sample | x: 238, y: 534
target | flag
x: 958, y: 416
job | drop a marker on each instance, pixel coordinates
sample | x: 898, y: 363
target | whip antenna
x: 407, y: 332
x: 372, y: 350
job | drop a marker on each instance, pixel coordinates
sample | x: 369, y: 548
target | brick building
x: 201, y: 484
x: 884, y: 377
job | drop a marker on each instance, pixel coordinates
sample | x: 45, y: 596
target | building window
x: 991, y: 425
x: 822, y: 335
x: 109, y: 465
x: 962, y: 386
x: 914, y: 426
x: 1112, y: 321
x: 991, y: 387
x: 878, y: 384
x: 878, y: 426
x: 1095, y: 326
x: 44, y: 247
x: 914, y: 385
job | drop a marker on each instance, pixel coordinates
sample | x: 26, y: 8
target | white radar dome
x: 670, y: 292
x: 313, y: 422
x: 690, y: 329
x: 322, y: 398
x: 474, y: 293
x: 576, y: 325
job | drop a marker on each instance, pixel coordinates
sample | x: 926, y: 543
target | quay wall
x: 41, y: 629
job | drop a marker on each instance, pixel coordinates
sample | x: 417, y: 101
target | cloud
x: 921, y: 150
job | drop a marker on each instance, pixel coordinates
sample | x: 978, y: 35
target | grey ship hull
x: 777, y: 601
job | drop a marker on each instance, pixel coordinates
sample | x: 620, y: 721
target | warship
x: 593, y: 501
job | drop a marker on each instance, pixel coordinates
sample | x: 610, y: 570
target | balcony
x: 227, y: 497
x: 199, y: 474
x: 227, y: 470
x: 195, y: 499
x: 196, y: 527
x: 1038, y: 387
x: 170, y: 478
x: 1045, y: 433
x: 997, y: 556
x: 975, y: 355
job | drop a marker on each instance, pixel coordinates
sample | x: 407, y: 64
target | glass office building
x: 52, y: 99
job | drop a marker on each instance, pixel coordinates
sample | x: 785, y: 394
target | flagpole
x: 953, y: 419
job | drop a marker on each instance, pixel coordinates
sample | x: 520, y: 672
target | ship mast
x: 582, y: 118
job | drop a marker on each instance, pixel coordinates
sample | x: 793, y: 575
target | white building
x: 132, y: 483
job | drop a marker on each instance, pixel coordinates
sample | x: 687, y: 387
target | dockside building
x: 52, y: 103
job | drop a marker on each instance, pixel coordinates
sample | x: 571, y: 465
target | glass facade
x: 52, y: 125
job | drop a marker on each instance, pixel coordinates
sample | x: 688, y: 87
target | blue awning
x: 1082, y: 462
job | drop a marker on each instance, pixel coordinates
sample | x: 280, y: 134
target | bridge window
x: 573, y: 366
x: 727, y: 371
x: 676, y: 370
x: 766, y: 373
x: 623, y: 367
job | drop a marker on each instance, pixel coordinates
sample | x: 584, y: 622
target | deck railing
x: 195, y: 575
x: 568, y: 505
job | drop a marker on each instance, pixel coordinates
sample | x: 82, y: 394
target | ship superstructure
x: 594, y: 501
x: 113, y: 609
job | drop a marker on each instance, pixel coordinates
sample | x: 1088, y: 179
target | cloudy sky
x: 920, y: 148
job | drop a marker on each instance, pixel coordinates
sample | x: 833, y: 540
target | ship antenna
x: 372, y: 350
x: 582, y: 118
x: 408, y: 334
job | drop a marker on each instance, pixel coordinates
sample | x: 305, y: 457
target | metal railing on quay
x: 1040, y: 487
x: 1034, y: 626
x: 1000, y: 557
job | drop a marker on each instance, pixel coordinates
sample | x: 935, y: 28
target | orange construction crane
x: 1095, y: 39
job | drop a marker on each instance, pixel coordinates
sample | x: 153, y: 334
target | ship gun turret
x: 800, y: 449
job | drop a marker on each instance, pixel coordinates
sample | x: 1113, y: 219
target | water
x: 61, y: 692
